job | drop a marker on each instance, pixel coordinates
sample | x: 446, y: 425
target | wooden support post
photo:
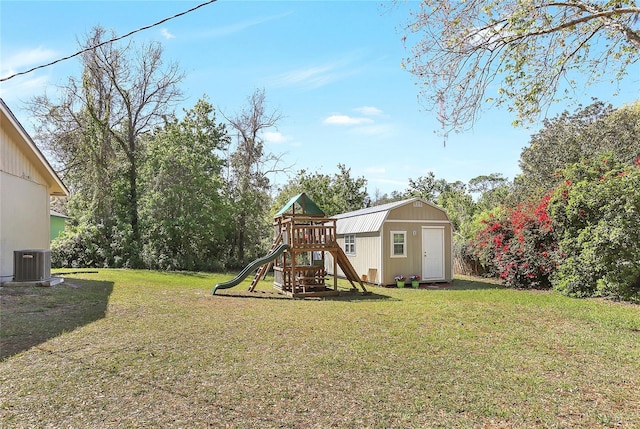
x: 335, y: 272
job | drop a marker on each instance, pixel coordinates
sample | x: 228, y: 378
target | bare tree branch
x: 528, y: 47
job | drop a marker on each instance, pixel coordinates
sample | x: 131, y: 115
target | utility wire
x: 107, y: 41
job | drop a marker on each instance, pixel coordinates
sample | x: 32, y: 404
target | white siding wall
x: 24, y: 219
x: 366, y: 261
x: 24, y: 201
x: 12, y: 160
x: 367, y: 258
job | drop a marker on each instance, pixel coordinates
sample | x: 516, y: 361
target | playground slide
x: 250, y: 268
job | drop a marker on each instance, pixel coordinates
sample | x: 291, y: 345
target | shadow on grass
x: 473, y: 283
x: 32, y: 315
x: 344, y: 296
x: 359, y: 296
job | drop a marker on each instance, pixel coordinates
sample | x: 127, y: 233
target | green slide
x: 251, y: 267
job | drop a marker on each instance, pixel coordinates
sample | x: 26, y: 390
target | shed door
x: 433, y: 253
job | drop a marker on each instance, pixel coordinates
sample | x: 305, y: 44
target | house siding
x: 24, y: 219
x: 15, y: 162
x: 26, y: 182
x: 58, y: 225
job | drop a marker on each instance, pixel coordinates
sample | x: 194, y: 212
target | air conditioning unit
x: 31, y: 265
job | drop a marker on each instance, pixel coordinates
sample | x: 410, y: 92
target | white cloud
x: 22, y: 87
x: 166, y: 34
x: 310, y: 77
x: 316, y: 76
x: 242, y: 25
x: 275, y: 137
x: 24, y: 59
x: 347, y: 120
x: 369, y: 111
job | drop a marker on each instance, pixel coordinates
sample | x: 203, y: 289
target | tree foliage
x: 530, y: 48
x: 493, y: 190
x: 425, y: 187
x: 95, y: 132
x: 585, y: 168
x: 184, y: 212
x: 459, y: 205
x: 568, y: 138
x: 597, y: 213
x: 248, y: 179
x: 339, y: 193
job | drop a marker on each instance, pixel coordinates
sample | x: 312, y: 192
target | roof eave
x: 56, y: 186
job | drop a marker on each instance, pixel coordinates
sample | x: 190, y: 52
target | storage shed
x: 409, y: 237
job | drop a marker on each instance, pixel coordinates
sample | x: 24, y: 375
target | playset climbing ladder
x: 261, y: 272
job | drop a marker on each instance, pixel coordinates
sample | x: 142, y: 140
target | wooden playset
x: 303, y: 235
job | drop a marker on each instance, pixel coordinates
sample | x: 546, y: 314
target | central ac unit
x: 31, y: 265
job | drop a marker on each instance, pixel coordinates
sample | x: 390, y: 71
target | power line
x: 107, y: 41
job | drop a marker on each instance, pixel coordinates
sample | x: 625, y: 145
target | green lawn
x: 144, y: 349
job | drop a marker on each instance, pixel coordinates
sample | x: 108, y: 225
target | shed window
x: 398, y: 243
x: 350, y: 244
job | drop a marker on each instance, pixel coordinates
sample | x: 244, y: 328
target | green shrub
x: 92, y: 246
x: 597, y: 215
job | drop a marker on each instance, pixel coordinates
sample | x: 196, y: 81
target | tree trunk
x: 133, y: 214
x: 242, y: 223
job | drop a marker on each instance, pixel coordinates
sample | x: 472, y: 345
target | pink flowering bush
x: 582, y: 239
x: 519, y: 246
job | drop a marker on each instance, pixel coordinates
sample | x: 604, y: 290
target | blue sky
x: 331, y: 68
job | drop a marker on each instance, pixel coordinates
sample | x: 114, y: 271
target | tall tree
x: 250, y: 167
x: 459, y: 205
x: 569, y: 137
x: 531, y: 48
x: 426, y: 187
x: 350, y: 193
x: 493, y: 190
x: 339, y: 193
x: 94, y: 129
x: 183, y: 206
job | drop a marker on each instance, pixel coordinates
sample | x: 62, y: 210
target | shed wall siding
x: 58, y: 225
x: 412, y: 263
x: 366, y: 261
x: 410, y: 211
x: 367, y: 257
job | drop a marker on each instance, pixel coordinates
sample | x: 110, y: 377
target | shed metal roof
x: 370, y: 219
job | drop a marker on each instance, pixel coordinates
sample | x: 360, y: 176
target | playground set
x: 303, y: 235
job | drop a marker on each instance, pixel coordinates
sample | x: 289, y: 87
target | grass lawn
x: 144, y: 349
